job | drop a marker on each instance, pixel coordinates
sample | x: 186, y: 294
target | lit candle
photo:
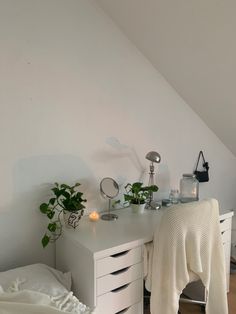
x: 94, y: 216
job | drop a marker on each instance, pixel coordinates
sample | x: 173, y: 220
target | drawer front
x: 120, y: 299
x: 133, y: 309
x: 118, y: 261
x: 225, y: 224
x: 227, y: 281
x: 227, y: 247
x: 226, y: 236
x: 118, y: 278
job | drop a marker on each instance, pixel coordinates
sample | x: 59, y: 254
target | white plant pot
x: 72, y: 219
x: 138, y: 208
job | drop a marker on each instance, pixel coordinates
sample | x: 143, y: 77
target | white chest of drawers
x: 105, y: 259
x: 225, y: 228
x: 112, y: 284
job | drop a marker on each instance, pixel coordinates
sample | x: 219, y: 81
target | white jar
x: 189, y: 188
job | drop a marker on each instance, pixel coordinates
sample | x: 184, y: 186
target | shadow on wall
x: 118, y: 151
x: 37, y: 174
x: 129, y: 152
x: 21, y: 224
x: 124, y: 157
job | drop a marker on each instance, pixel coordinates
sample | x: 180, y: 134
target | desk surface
x: 102, y: 238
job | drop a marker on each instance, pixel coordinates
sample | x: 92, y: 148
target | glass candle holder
x: 94, y: 216
x: 174, y: 196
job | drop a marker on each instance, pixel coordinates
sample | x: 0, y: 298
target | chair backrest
x: 187, y: 240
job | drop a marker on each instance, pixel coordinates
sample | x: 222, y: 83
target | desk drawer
x: 227, y: 247
x: 118, y: 261
x: 120, y: 299
x: 226, y: 236
x: 225, y: 224
x: 118, y: 278
x: 133, y: 309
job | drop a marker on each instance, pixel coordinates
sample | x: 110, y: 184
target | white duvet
x: 15, y: 301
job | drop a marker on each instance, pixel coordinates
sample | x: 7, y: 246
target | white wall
x: 78, y: 102
x: 190, y: 43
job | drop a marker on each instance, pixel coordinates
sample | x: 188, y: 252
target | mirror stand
x: 109, y: 216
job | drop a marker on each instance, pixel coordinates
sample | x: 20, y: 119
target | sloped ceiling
x: 193, y: 44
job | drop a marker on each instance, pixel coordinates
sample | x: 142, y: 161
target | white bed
x: 36, y: 289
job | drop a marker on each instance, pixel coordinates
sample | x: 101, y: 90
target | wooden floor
x: 195, y: 309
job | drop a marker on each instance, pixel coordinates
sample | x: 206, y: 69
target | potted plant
x: 137, y: 195
x: 66, y: 200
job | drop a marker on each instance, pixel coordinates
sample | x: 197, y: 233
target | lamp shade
x: 153, y: 156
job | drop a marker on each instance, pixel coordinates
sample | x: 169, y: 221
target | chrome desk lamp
x: 153, y: 157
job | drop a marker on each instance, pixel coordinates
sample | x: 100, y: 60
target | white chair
x: 187, y: 246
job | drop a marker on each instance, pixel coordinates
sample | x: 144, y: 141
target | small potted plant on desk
x: 66, y: 200
x: 137, y: 195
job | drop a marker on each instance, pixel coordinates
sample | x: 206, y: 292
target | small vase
x: 72, y: 218
x: 138, y: 208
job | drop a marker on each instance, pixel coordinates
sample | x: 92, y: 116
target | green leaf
x: 51, y: 214
x: 65, y: 186
x: 43, y: 208
x: 136, y: 187
x: 45, y: 240
x: 79, y: 195
x: 52, y: 227
x: 153, y: 188
x: 65, y: 194
x: 52, y: 201
x: 128, y: 197
x: 66, y: 203
x: 56, y: 191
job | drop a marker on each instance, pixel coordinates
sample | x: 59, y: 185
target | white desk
x: 105, y: 258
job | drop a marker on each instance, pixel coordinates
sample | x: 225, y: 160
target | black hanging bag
x: 202, y: 176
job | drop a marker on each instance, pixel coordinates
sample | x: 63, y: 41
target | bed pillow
x: 37, y: 277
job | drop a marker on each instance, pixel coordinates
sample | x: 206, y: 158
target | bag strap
x: 205, y: 164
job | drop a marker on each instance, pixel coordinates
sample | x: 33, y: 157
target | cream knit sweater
x: 188, y: 240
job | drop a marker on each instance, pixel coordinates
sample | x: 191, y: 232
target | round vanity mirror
x: 109, y: 189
